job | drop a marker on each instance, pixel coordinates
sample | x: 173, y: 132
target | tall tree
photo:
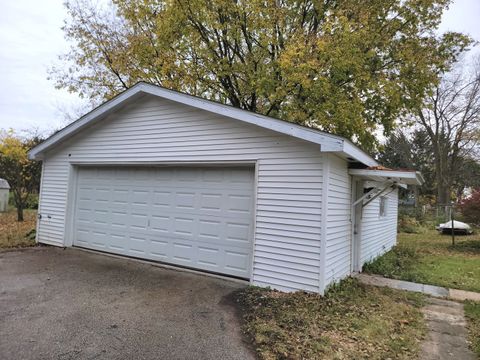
x: 22, y: 174
x: 343, y: 66
x: 467, y: 177
x: 451, y: 119
x: 410, y: 150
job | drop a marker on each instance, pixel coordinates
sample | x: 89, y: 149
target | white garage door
x: 196, y: 217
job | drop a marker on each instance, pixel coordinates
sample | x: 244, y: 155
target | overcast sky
x: 31, y: 40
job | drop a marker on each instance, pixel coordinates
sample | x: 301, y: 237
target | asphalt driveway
x: 71, y: 304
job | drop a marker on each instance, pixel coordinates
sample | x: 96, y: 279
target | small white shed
x: 160, y: 175
x: 4, y: 192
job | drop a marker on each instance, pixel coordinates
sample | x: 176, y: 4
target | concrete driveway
x: 71, y: 304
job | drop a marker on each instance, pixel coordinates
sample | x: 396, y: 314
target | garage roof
x: 327, y: 142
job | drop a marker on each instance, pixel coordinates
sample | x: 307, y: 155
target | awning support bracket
x: 378, y: 194
x: 372, y: 195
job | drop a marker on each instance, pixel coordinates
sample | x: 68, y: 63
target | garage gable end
x: 327, y: 142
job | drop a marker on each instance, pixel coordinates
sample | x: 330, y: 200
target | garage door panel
x: 183, y: 252
x: 138, y: 221
x: 239, y: 203
x: 118, y: 241
x: 196, y: 217
x: 237, y: 261
x: 184, y: 200
x: 238, y: 232
x: 161, y: 224
x: 235, y: 235
x: 160, y: 248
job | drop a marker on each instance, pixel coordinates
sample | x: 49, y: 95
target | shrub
x: 32, y: 201
x: 470, y: 208
x: 392, y: 264
x: 408, y: 225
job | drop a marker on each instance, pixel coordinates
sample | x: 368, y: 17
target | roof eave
x: 358, y: 154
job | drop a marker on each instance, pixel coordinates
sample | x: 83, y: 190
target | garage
x: 196, y: 217
x: 164, y: 176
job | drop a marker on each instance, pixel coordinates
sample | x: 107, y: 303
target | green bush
x: 394, y: 263
x: 410, y: 225
x: 32, y: 201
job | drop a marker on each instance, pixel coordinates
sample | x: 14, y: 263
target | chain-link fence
x: 414, y: 218
x: 430, y: 214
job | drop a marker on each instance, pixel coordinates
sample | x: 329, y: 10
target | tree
x: 467, y: 177
x: 22, y: 174
x: 410, y: 150
x: 451, y: 119
x: 340, y: 66
x: 470, y: 208
x: 413, y: 149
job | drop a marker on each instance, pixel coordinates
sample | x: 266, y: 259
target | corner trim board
x: 323, y: 235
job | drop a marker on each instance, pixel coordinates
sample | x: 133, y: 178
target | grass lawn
x: 431, y: 259
x: 472, y: 312
x: 353, y: 321
x: 17, y: 234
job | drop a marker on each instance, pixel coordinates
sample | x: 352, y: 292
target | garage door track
x: 72, y: 304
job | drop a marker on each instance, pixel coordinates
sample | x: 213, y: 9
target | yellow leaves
x: 12, y: 147
x: 347, y: 66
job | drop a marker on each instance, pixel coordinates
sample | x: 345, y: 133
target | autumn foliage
x: 470, y: 208
x: 348, y: 67
x: 22, y: 174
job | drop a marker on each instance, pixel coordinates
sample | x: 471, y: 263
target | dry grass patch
x: 353, y: 321
x: 17, y: 234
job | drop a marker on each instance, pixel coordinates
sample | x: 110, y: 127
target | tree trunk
x: 442, y: 176
x: 443, y: 194
x: 19, y: 213
x: 440, y: 187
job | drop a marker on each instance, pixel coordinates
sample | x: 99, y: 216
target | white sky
x: 31, y: 40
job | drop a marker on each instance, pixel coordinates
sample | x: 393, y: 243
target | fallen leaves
x: 352, y: 321
x: 17, y: 234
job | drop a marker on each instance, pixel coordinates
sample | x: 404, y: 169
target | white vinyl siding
x: 153, y: 130
x: 52, y: 204
x: 379, y: 233
x: 338, y: 247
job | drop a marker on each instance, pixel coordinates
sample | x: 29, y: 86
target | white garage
x: 198, y: 217
x: 179, y: 180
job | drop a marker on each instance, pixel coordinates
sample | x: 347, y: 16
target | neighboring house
x: 160, y: 175
x: 4, y: 192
